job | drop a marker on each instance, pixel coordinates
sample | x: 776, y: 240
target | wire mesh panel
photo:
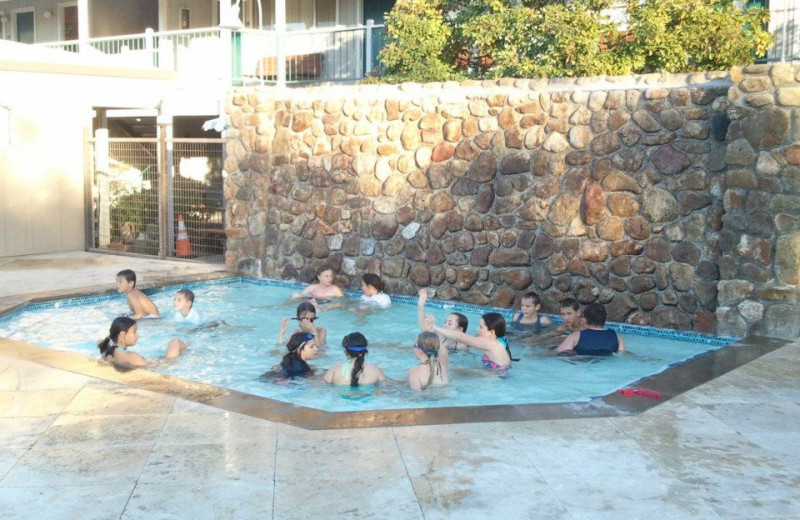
x: 198, y: 197
x: 125, y: 184
x: 142, y: 188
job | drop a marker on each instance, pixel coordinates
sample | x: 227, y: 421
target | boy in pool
x: 570, y: 311
x: 139, y: 303
x: 306, y: 321
x: 184, y: 308
x: 595, y: 339
x: 528, y: 318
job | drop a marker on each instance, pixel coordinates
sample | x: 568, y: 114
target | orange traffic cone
x: 182, y: 246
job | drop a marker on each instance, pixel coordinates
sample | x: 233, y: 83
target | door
x: 24, y: 30
x: 68, y: 28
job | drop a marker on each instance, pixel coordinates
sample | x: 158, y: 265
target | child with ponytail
x: 356, y: 372
x: 123, y: 334
x: 432, y: 367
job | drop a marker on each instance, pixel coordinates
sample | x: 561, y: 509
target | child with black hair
x: 139, y: 303
x: 528, y: 318
x: 184, y: 308
x: 306, y: 321
x: 490, y: 339
x: 432, y: 368
x: 373, y: 297
x: 454, y: 321
x: 595, y: 339
x: 301, y: 347
x: 570, y: 311
x: 124, y: 333
x: 356, y: 372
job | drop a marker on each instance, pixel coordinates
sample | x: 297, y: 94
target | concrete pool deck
x: 79, y: 447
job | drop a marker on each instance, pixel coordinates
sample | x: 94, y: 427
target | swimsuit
x: 535, y: 327
x: 295, y: 367
x: 380, y: 300
x: 597, y: 342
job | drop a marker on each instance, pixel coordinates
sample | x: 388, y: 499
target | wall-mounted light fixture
x: 47, y: 13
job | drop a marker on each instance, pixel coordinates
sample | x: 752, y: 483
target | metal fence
x: 140, y: 189
x: 784, y: 24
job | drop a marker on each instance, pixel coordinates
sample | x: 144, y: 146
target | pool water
x: 237, y: 354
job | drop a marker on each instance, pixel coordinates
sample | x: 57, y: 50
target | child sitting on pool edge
x: 306, y: 321
x: 356, y: 372
x: 123, y: 334
x: 432, y: 368
x: 139, y: 303
x: 528, y: 318
x: 595, y: 339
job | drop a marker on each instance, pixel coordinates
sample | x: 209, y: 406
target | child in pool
x: 356, y: 372
x: 570, y: 311
x: 306, y: 318
x: 528, y: 318
x: 432, y: 368
x: 595, y: 339
x: 453, y: 321
x: 490, y: 339
x: 302, y: 346
x: 139, y: 303
x: 323, y: 290
x: 123, y: 334
x: 373, y: 297
x: 184, y: 308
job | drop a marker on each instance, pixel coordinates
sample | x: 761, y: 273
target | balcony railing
x: 244, y: 56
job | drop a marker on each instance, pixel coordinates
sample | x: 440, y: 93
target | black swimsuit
x: 535, y: 327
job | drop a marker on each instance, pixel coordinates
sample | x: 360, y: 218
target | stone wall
x: 672, y: 199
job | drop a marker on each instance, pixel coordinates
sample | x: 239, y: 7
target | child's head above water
x: 324, y: 275
x: 569, y: 309
x: 456, y: 321
x: 355, y: 344
x: 184, y: 300
x: 126, y: 280
x: 371, y: 284
x: 494, y: 322
x: 529, y: 304
x: 306, y: 312
x: 121, y: 326
x: 428, y: 344
x: 302, y: 344
x: 595, y: 315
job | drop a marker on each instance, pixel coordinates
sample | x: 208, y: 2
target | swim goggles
x: 312, y: 319
x: 425, y: 351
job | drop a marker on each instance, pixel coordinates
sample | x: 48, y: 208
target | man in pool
x: 595, y: 339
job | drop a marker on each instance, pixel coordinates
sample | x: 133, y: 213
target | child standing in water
x: 356, y: 372
x: 490, y: 339
x: 570, y: 311
x: 184, y: 308
x: 373, y: 297
x: 306, y: 321
x: 323, y: 290
x: 139, y: 303
x: 123, y: 334
x: 528, y: 318
x: 453, y: 321
x: 432, y: 368
x: 302, y: 346
x: 595, y: 339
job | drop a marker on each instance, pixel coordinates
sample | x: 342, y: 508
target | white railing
x: 784, y: 24
x: 340, y: 54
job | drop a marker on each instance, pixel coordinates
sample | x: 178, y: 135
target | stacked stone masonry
x: 672, y: 199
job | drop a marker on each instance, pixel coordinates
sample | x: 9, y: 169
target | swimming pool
x: 236, y: 355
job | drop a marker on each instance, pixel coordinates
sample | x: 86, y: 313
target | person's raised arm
x: 461, y: 337
x: 423, y: 297
x: 284, y: 328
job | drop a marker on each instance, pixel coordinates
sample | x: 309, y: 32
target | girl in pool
x: 373, y: 297
x: 356, y: 372
x: 124, y: 333
x: 323, y: 290
x: 306, y: 320
x: 302, y: 346
x: 432, y: 368
x: 490, y: 339
x: 454, y: 321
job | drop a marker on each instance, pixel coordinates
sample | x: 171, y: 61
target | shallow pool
x: 237, y: 354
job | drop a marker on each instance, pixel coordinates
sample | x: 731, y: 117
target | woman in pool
x: 124, y: 333
x: 307, y: 322
x: 432, y: 368
x: 490, y: 339
x: 356, y: 372
x: 453, y: 321
x: 323, y: 290
x: 302, y: 346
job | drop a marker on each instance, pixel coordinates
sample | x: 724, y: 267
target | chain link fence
x: 141, y: 188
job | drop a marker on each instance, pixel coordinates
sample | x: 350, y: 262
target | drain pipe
x: 8, y: 109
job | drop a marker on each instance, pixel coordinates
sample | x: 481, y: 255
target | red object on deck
x: 644, y: 392
x: 183, y: 248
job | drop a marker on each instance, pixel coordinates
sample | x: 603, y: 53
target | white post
x: 368, y: 67
x: 228, y: 22
x: 149, y: 47
x: 103, y: 192
x: 280, y: 30
x: 83, y: 23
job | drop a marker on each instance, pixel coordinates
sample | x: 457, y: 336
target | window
x: 24, y: 30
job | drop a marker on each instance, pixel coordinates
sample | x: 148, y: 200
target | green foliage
x: 692, y: 35
x: 530, y: 38
x: 416, y: 39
